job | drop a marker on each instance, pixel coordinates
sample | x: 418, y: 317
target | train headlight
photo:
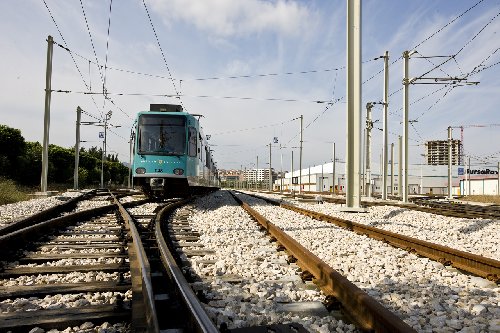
x: 140, y: 171
x: 178, y: 171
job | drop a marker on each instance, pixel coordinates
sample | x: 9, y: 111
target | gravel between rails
x: 478, y: 236
x: 11, y: 212
x: 425, y: 294
x: 251, y: 281
x: 70, y: 300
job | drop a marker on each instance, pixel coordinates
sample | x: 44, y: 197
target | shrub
x: 10, y: 192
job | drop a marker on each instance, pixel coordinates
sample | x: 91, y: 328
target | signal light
x: 140, y: 171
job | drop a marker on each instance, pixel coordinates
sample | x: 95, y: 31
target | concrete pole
x: 369, y: 126
x: 406, y: 84
x: 450, y: 190
x: 470, y: 193
x: 353, y: 83
x: 498, y: 181
x: 309, y: 182
x: 46, y: 118
x: 131, y: 149
x: 270, y: 170
x: 103, y: 151
x: 392, y: 169
x: 77, y: 147
x: 281, y: 176
x: 291, y: 176
x: 333, y: 180
x: 300, y: 158
x: 256, y: 172
x: 322, y: 178
x: 400, y: 166
x: 384, y: 126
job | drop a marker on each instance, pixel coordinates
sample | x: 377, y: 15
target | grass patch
x: 483, y: 198
x: 10, y: 192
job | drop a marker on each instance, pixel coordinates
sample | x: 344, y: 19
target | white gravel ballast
x: 247, y: 281
x: 424, y: 293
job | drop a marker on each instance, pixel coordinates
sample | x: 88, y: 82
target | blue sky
x: 203, y: 40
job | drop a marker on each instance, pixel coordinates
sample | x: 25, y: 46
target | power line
x: 254, y: 128
x: 429, y: 37
x: 193, y: 96
x: 107, y: 42
x: 463, y: 47
x: 162, y: 54
x: 95, y: 53
x: 65, y: 47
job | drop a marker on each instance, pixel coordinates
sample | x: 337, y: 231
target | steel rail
x: 46, y: 214
x: 144, y: 317
x: 199, y: 320
x: 365, y: 310
x: 482, y: 266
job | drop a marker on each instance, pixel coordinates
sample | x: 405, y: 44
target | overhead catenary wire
x: 107, y: 42
x: 192, y: 96
x: 462, y: 48
x: 95, y: 54
x: 427, y: 38
x: 65, y: 46
x: 162, y: 53
x: 254, y: 128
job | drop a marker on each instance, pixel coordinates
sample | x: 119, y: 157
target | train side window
x: 193, y: 142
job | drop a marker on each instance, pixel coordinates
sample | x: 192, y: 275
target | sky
x: 251, y: 68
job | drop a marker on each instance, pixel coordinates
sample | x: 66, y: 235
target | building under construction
x: 437, y: 152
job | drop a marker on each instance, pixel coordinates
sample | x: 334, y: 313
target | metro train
x: 171, y: 153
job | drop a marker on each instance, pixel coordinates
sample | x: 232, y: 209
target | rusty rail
x: 485, y: 267
x: 365, y: 310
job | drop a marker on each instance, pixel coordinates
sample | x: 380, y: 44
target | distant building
x: 437, y: 152
x: 230, y: 175
x: 253, y: 176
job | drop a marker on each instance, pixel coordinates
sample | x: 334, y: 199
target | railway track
x: 397, y: 291
x: 99, y: 268
x: 71, y: 270
x: 425, y: 204
x: 482, y: 266
x: 363, y: 309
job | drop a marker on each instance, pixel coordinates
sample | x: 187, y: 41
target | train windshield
x: 162, y: 135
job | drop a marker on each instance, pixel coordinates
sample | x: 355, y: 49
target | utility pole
x: 392, y: 169
x: 322, y: 178
x: 406, y: 84
x: 353, y: 83
x: 469, y: 179
x: 291, y: 176
x: 369, y: 126
x: 281, y: 176
x: 498, y: 181
x: 300, y: 158
x: 400, y: 166
x: 77, y: 147
x: 46, y: 118
x: 131, y: 149
x: 256, y: 172
x: 270, y: 170
x: 450, y: 190
x: 106, y: 118
x: 333, y: 180
x: 384, y: 125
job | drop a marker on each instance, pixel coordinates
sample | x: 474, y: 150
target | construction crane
x: 470, y: 126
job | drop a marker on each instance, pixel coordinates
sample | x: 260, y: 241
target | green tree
x: 12, y: 146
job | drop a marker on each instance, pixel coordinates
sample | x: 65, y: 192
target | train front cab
x: 164, y: 150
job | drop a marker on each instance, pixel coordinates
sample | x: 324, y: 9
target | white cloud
x: 229, y: 17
